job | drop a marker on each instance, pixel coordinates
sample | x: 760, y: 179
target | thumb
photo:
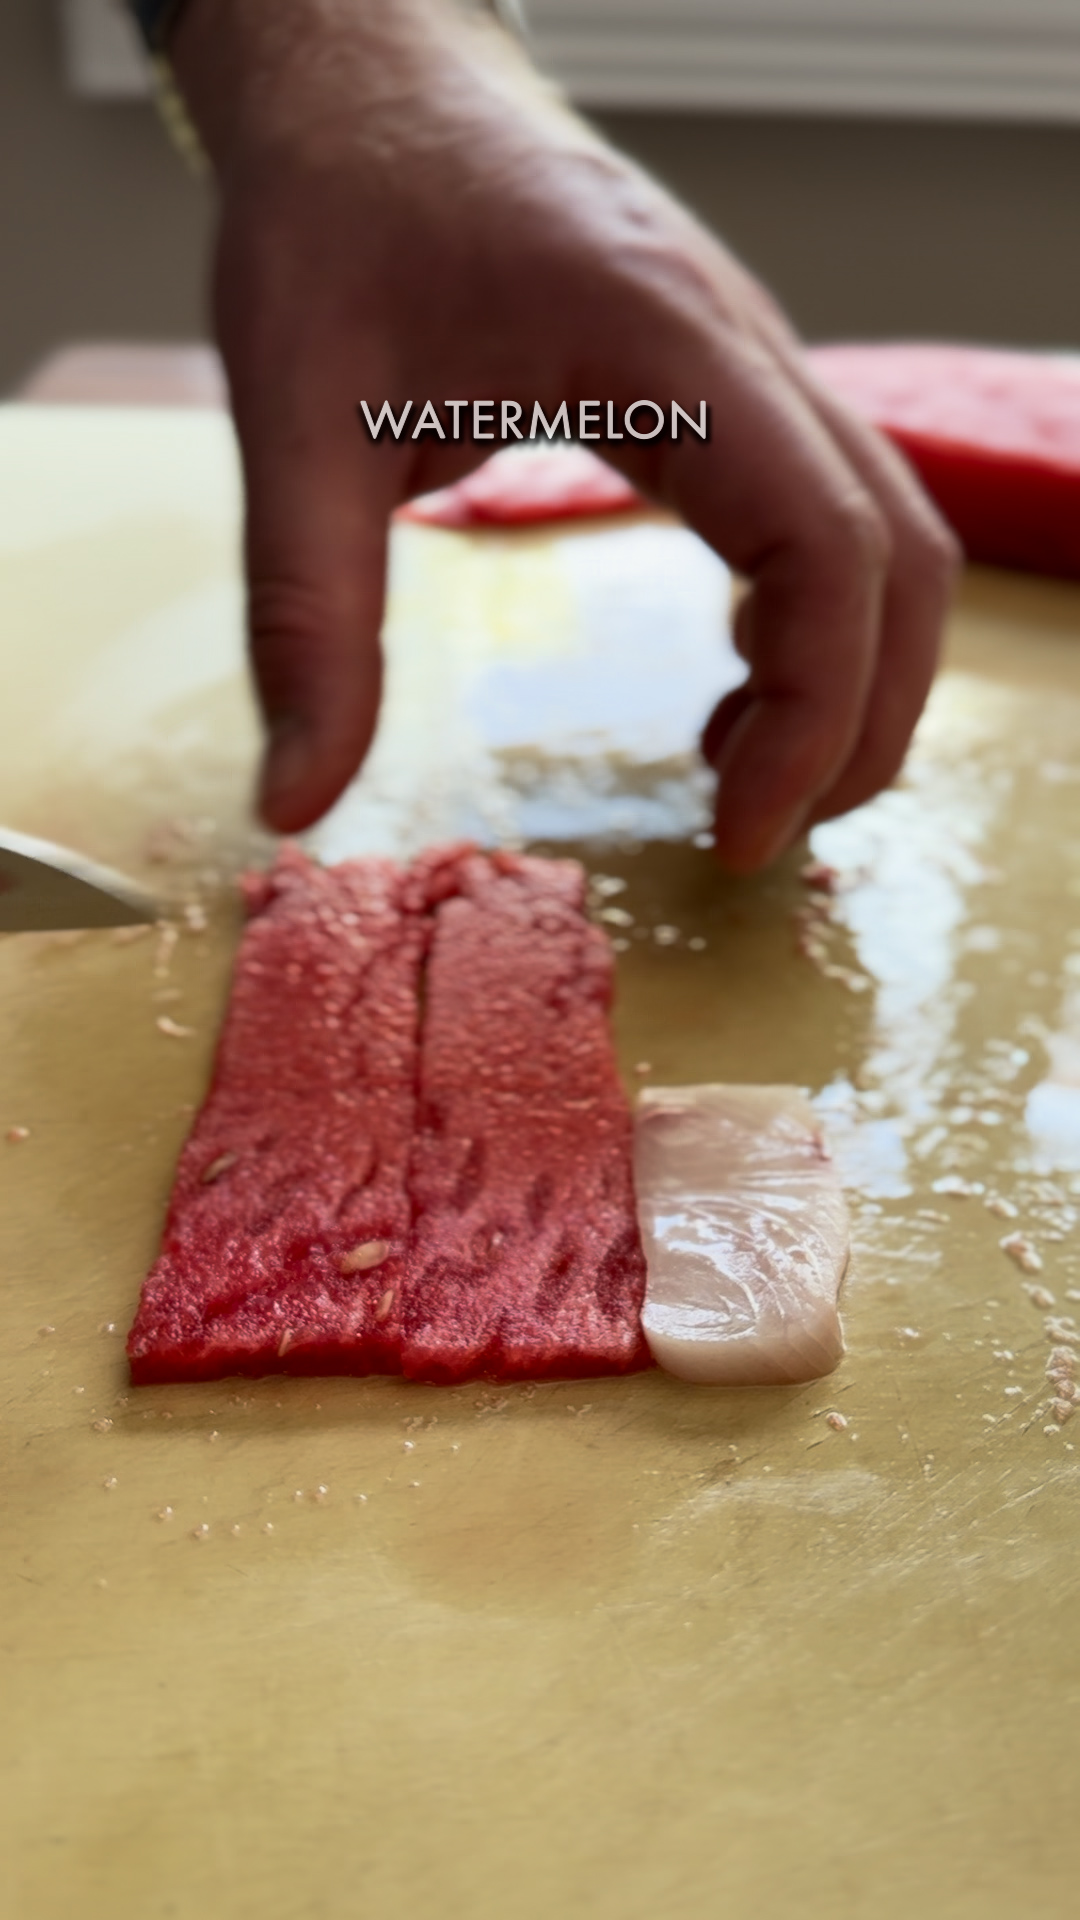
x: 315, y: 556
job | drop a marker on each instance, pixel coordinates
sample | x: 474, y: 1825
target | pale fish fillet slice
x: 745, y: 1231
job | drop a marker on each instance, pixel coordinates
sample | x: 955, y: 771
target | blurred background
x: 889, y: 167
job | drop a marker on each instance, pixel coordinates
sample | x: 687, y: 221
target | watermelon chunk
x: 525, y: 1259
x: 322, y: 1221
x: 515, y: 489
x: 994, y: 436
x: 300, y: 1154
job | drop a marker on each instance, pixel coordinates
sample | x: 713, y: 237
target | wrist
x: 246, y: 69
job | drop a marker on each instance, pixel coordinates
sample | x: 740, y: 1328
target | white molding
x: 940, y: 69
x: 103, y: 56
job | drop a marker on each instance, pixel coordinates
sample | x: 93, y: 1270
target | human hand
x: 407, y: 211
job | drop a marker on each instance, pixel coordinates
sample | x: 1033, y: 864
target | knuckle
x: 285, y: 612
x: 942, y: 554
x: 287, y: 627
x: 859, y: 533
x: 931, y: 556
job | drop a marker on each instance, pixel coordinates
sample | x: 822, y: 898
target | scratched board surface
x: 615, y: 1649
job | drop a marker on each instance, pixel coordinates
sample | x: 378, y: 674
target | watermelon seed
x: 370, y: 1253
x: 285, y: 1343
x: 385, y: 1303
x: 217, y: 1167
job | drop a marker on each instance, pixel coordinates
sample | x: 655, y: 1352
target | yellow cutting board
x: 616, y: 1648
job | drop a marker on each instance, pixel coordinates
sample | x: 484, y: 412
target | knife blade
x: 49, y: 888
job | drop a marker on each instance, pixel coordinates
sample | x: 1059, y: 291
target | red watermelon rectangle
x: 300, y: 1153
x: 357, y: 1199
x: 993, y: 435
x: 525, y: 1260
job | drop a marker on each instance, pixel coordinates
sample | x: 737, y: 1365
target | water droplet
x: 201, y: 1532
x: 268, y: 1526
x: 110, y: 1481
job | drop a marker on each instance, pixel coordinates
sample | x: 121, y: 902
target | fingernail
x: 286, y: 764
x: 756, y: 845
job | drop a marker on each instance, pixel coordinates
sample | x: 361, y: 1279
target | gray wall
x: 882, y: 227
x: 868, y: 227
x: 102, y: 233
